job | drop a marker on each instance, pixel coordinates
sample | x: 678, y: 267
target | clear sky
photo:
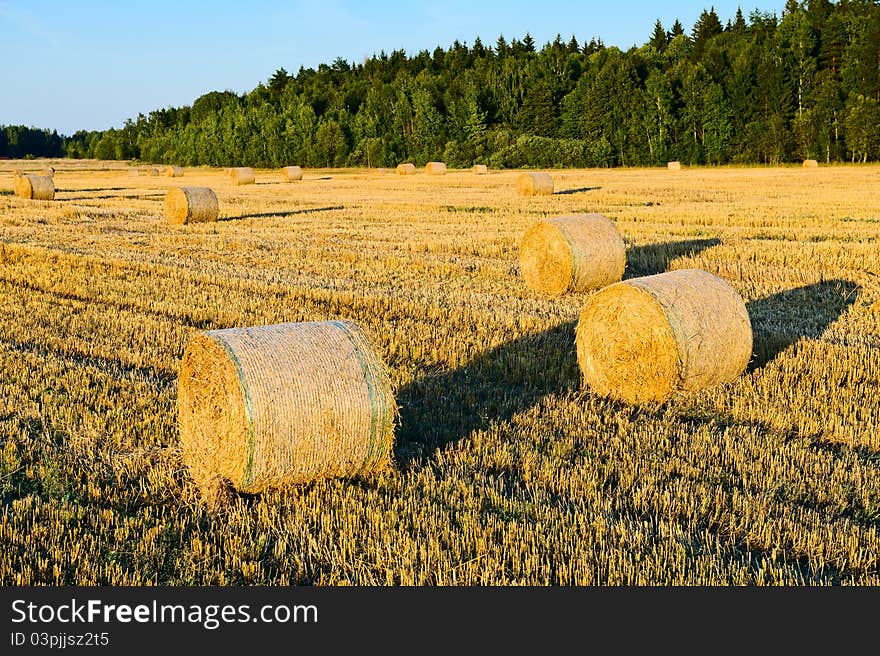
x: 92, y: 64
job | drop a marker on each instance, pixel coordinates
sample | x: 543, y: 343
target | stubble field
x: 506, y: 470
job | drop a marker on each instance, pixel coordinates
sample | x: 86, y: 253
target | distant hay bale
x: 673, y: 166
x: 291, y: 173
x: 134, y: 172
x: 534, y: 183
x: 152, y: 171
x: 270, y: 406
x: 647, y: 338
x: 480, y: 169
x: 191, y: 205
x: 810, y: 164
x: 242, y: 175
x: 435, y: 168
x: 34, y: 187
x: 47, y: 170
x: 575, y: 253
x: 173, y: 171
x: 406, y: 169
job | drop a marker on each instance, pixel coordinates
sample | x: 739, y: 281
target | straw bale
x: 480, y: 169
x: 435, y: 168
x: 406, y: 169
x: 290, y: 173
x: 34, y: 187
x: 534, y: 183
x: 242, y: 175
x: 191, y: 205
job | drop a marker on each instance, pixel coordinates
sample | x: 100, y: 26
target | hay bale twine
x: 191, y: 205
x: 534, y: 183
x: 270, y: 406
x: 673, y: 166
x: 290, y: 173
x: 435, y: 168
x: 647, y: 338
x: 811, y: 164
x: 242, y: 175
x: 34, y: 187
x: 480, y: 169
x: 406, y: 169
x: 574, y: 253
x: 173, y: 171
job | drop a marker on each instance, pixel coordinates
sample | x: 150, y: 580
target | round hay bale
x: 152, y: 171
x: 810, y: 164
x: 191, y: 205
x: 134, y: 172
x: 173, y: 171
x: 48, y: 170
x: 35, y: 187
x: 647, y: 338
x: 575, y: 253
x: 673, y: 166
x: 270, y: 406
x: 290, y: 173
x: 435, y: 168
x: 534, y: 183
x: 480, y: 169
x: 406, y: 169
x: 242, y: 175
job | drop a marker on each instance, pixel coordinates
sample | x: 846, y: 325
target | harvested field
x: 506, y: 470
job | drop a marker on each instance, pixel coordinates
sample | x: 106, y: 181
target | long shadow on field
x: 258, y: 215
x: 108, y: 196
x: 780, y: 320
x: 441, y: 409
x: 655, y: 258
x: 579, y: 190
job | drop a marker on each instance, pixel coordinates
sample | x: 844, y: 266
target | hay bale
x: 811, y: 164
x: 48, y: 170
x: 673, y: 166
x: 435, y: 168
x: 152, y: 171
x: 191, y: 205
x: 406, y: 169
x: 290, y: 173
x: 647, y: 338
x: 242, y: 175
x: 134, y: 172
x: 271, y: 406
x: 575, y: 253
x: 173, y: 171
x: 534, y: 183
x: 480, y: 169
x: 34, y: 187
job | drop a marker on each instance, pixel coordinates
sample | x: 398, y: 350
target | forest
x: 756, y: 89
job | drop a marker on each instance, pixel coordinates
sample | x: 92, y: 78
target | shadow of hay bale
x: 656, y: 258
x: 281, y: 213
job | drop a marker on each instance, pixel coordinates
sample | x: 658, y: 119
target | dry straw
x: 531, y: 183
x: 48, y: 170
x: 34, y: 187
x: 406, y: 169
x: 290, y: 173
x: 173, y: 171
x: 647, y: 338
x: 271, y: 406
x: 242, y: 175
x: 810, y: 164
x: 575, y: 253
x: 191, y: 205
x: 673, y: 166
x: 435, y: 168
x: 480, y: 169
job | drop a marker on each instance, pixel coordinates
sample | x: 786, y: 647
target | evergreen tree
x: 659, y: 38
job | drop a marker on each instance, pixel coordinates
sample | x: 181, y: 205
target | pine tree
x: 659, y: 39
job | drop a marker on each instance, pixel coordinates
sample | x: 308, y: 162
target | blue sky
x: 90, y: 65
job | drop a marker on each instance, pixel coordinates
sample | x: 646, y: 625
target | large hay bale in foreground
x: 34, y: 187
x: 673, y: 166
x: 173, y: 171
x: 534, y: 183
x: 480, y: 169
x: 191, y: 205
x: 647, y: 338
x: 271, y: 406
x: 810, y: 164
x: 575, y: 253
x: 291, y: 173
x: 435, y: 168
x: 406, y: 169
x: 242, y: 175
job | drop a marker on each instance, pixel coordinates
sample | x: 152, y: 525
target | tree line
x: 763, y: 89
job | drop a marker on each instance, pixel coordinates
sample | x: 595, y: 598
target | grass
x: 506, y: 470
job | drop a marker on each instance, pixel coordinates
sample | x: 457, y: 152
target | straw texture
x: 271, y: 406
x: 191, y: 205
x: 480, y: 169
x: 242, y: 175
x: 291, y: 173
x: 531, y: 183
x: 648, y: 338
x: 574, y: 253
x: 406, y: 169
x: 435, y: 168
x: 810, y: 164
x: 673, y: 166
x: 34, y: 187
x: 173, y: 171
